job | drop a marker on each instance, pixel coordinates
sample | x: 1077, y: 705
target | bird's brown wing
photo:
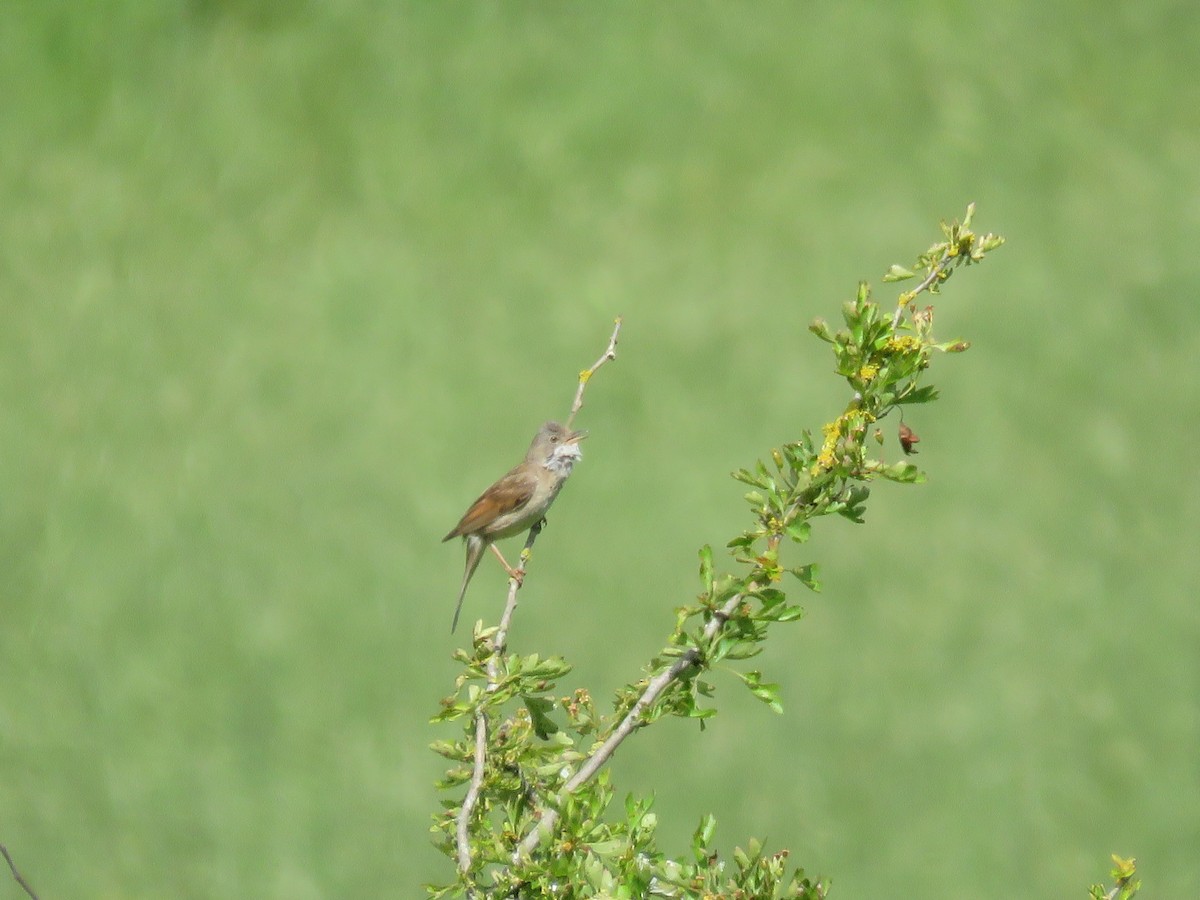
x: 507, y: 494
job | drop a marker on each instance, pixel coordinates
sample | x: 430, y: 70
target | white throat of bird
x: 563, y: 457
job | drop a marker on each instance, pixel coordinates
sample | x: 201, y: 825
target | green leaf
x: 767, y: 693
x: 852, y: 503
x: 808, y: 576
x: 740, y: 857
x: 450, y: 713
x: 990, y: 242
x: 898, y: 273
x: 742, y: 650
x: 702, y: 837
x: 958, y: 346
x: 820, y: 328
x: 770, y: 596
x: 852, y: 315
x: 747, y: 477
x: 447, y: 749
x: 539, y: 707
x: 903, y: 473
x: 743, y: 541
x: 726, y: 586
x: 607, y: 848
x: 706, y: 568
x: 925, y: 394
x: 798, y: 530
x: 635, y: 806
x: 790, y: 613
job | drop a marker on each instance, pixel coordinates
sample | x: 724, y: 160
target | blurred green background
x: 285, y: 285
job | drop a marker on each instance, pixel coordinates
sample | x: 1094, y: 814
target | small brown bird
x: 517, y: 501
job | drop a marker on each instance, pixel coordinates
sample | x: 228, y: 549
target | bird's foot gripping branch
x: 538, y: 818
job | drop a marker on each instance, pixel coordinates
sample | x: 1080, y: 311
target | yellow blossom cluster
x: 904, y: 343
x: 850, y: 422
x: 832, y: 431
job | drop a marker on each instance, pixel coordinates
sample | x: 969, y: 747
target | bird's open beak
x: 577, y: 436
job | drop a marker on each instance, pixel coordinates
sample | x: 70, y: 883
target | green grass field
x: 285, y: 286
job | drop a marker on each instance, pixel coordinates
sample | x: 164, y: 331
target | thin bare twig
x: 16, y: 874
x: 585, y: 376
x: 934, y: 274
x: 500, y: 641
x: 463, y: 837
x: 629, y: 724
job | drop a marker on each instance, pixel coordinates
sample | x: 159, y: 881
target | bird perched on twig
x: 517, y: 501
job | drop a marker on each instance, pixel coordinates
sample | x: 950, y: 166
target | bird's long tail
x: 474, y: 554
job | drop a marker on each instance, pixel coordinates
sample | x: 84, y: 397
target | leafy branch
x: 1125, y: 885
x: 497, y: 638
x: 537, y: 814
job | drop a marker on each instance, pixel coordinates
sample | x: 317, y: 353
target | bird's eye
x: 554, y: 438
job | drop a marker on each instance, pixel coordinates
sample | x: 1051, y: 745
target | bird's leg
x: 517, y: 573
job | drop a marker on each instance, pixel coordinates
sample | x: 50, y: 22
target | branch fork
x: 499, y: 640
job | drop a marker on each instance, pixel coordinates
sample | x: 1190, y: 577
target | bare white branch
x: 598, y: 757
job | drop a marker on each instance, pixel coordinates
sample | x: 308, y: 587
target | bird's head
x: 556, y: 447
